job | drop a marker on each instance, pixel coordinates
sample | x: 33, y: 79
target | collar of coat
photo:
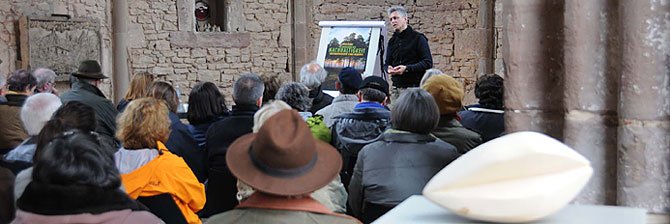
x: 305, y: 204
x: 15, y: 99
x: 395, y: 135
x: 88, y: 88
x: 52, y: 199
x: 405, y: 32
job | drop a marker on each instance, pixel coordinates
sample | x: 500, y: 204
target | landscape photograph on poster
x: 347, y: 47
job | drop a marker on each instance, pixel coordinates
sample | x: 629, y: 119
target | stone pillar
x: 533, y: 56
x: 644, y: 140
x: 486, y: 21
x: 591, y: 56
x: 302, y: 17
x: 120, y: 78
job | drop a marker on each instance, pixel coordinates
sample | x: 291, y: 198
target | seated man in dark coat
x: 370, y: 118
x: 248, y: 96
x: 312, y: 75
x: 487, y: 117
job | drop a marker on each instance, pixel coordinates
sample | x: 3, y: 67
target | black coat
x: 319, y: 100
x: 181, y: 143
x: 409, y: 48
x: 105, y: 112
x: 489, y: 123
x: 219, y: 136
x: 398, y: 166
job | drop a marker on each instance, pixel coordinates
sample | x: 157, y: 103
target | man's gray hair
x: 428, y: 74
x: 312, y: 74
x: 3, y: 80
x: 43, y: 76
x: 399, y: 9
x: 296, y: 95
x: 248, y: 89
x: 37, y: 110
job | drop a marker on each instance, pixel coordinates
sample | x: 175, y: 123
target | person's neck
x: 402, y: 29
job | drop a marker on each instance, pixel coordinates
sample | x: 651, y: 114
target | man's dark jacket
x: 219, y: 136
x: 319, y: 99
x: 489, y: 124
x: 11, y: 126
x: 105, y: 110
x: 409, y: 48
x: 352, y: 131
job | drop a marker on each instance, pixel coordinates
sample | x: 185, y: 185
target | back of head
x: 139, y: 86
x: 205, y: 103
x: 266, y: 112
x: 44, y: 76
x: 248, y: 89
x: 374, y: 89
x: 489, y: 90
x: 37, y: 110
x: 447, y: 92
x: 312, y: 75
x: 429, y: 73
x: 295, y: 94
x: 415, y: 111
x: 142, y: 123
x: 21, y: 80
x: 272, y: 84
x: 72, y: 115
x: 76, y: 158
x: 349, y: 80
x: 162, y: 90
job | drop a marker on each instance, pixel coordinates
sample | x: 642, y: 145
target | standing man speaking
x: 408, y: 55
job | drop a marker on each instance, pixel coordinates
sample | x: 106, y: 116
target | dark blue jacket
x: 489, y: 123
x: 181, y: 143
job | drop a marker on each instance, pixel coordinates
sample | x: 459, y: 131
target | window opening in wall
x: 210, y: 15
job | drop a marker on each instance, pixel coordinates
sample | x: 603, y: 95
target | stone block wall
x: 450, y: 26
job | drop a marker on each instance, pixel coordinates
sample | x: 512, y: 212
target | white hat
x: 519, y: 177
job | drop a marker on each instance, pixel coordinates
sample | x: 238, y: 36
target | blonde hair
x: 267, y: 111
x: 139, y: 86
x: 144, y: 122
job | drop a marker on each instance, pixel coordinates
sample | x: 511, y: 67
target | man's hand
x: 397, y: 70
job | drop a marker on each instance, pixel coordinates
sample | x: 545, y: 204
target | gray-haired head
x: 312, y: 74
x: 45, y: 79
x: 415, y: 111
x: 37, y: 110
x: 295, y: 94
x: 397, y: 8
x: 248, y: 89
x: 428, y: 74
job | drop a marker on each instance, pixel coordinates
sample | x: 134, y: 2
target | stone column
x: 533, y: 56
x: 120, y: 78
x: 486, y: 20
x: 644, y: 107
x: 302, y: 17
x: 591, y: 89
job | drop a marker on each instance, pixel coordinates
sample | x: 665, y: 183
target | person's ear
x: 259, y: 102
x: 360, y: 97
x: 337, y: 86
x: 384, y: 101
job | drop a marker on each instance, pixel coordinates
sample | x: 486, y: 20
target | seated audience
x: 333, y: 195
x: 36, y: 111
x: 221, y: 188
x: 312, y: 75
x: 147, y: 167
x: 402, y: 161
x: 85, y: 83
x: 75, y: 181
x: 448, y: 93
x: 487, y: 117
x: 296, y: 95
x: 21, y: 85
x: 284, y: 163
x: 46, y: 81
x: 72, y: 115
x: 206, y: 105
x: 272, y: 84
x: 348, y: 81
x: 180, y: 142
x: 366, y: 124
x: 138, y: 88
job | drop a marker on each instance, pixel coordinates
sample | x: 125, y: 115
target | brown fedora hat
x: 283, y: 158
x: 89, y: 69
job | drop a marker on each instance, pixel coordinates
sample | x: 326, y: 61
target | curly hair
x: 296, y: 95
x: 20, y: 80
x: 489, y: 90
x: 144, y: 122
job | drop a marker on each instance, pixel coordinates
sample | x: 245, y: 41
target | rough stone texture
x: 449, y: 25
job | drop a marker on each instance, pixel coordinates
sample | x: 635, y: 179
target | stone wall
x: 450, y: 26
x: 12, y: 10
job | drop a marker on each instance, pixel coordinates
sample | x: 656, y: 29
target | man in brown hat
x: 85, y: 89
x: 284, y: 164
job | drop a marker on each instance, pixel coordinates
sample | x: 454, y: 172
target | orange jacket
x: 168, y: 173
